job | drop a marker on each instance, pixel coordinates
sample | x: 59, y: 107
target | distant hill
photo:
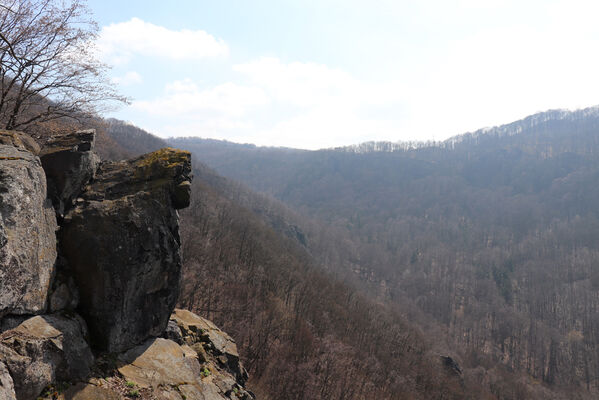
x: 303, y: 331
x: 493, y: 235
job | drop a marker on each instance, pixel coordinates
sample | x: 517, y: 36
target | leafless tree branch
x: 47, y: 66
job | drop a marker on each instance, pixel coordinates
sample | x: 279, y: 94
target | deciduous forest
x: 461, y: 269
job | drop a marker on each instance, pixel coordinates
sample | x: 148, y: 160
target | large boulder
x: 205, y: 337
x: 121, y: 240
x: 27, y: 228
x: 159, y: 362
x: 70, y: 163
x: 45, y: 349
x: 172, y: 371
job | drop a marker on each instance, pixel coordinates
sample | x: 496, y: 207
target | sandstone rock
x: 122, y: 243
x: 69, y: 163
x: 163, y: 366
x: 196, y: 329
x: 7, y: 390
x: 27, y: 232
x: 85, y: 391
x: 203, y: 391
x: 200, y: 351
x: 167, y: 393
x: 159, y: 362
x: 19, y: 140
x: 44, y: 349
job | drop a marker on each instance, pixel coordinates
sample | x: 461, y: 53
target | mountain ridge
x: 507, y: 129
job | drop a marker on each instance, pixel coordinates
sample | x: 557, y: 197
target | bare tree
x: 48, y: 69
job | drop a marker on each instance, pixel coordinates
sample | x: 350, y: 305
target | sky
x: 324, y: 73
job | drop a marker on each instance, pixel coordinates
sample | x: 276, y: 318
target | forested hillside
x: 488, y: 239
x: 302, y: 332
x: 306, y: 327
x: 461, y: 269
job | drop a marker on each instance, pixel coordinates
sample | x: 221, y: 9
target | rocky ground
x: 195, y: 360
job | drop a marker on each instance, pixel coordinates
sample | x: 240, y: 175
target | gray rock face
x: 69, y: 163
x: 122, y: 243
x: 7, y: 389
x: 27, y: 231
x: 173, y: 332
x: 44, y: 349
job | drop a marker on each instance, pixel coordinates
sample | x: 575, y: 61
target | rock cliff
x: 90, y: 270
x: 122, y: 242
x: 27, y: 229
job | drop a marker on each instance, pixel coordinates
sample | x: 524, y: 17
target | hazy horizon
x: 423, y: 141
x: 311, y: 75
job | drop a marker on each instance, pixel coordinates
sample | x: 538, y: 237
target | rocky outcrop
x: 70, y: 163
x: 44, y: 349
x: 163, y: 369
x: 117, y: 272
x: 159, y: 362
x: 122, y: 242
x: 205, y: 337
x: 19, y: 140
x: 204, y: 365
x: 27, y: 228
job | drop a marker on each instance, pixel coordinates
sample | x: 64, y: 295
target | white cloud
x: 119, y: 42
x: 322, y: 128
x: 499, y: 75
x: 306, y: 105
x: 185, y: 99
x: 130, y: 78
x: 441, y: 68
x: 313, y: 85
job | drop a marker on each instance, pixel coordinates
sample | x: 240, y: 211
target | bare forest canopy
x: 488, y: 243
x: 359, y: 272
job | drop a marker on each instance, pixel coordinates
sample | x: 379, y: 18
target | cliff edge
x: 90, y: 271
